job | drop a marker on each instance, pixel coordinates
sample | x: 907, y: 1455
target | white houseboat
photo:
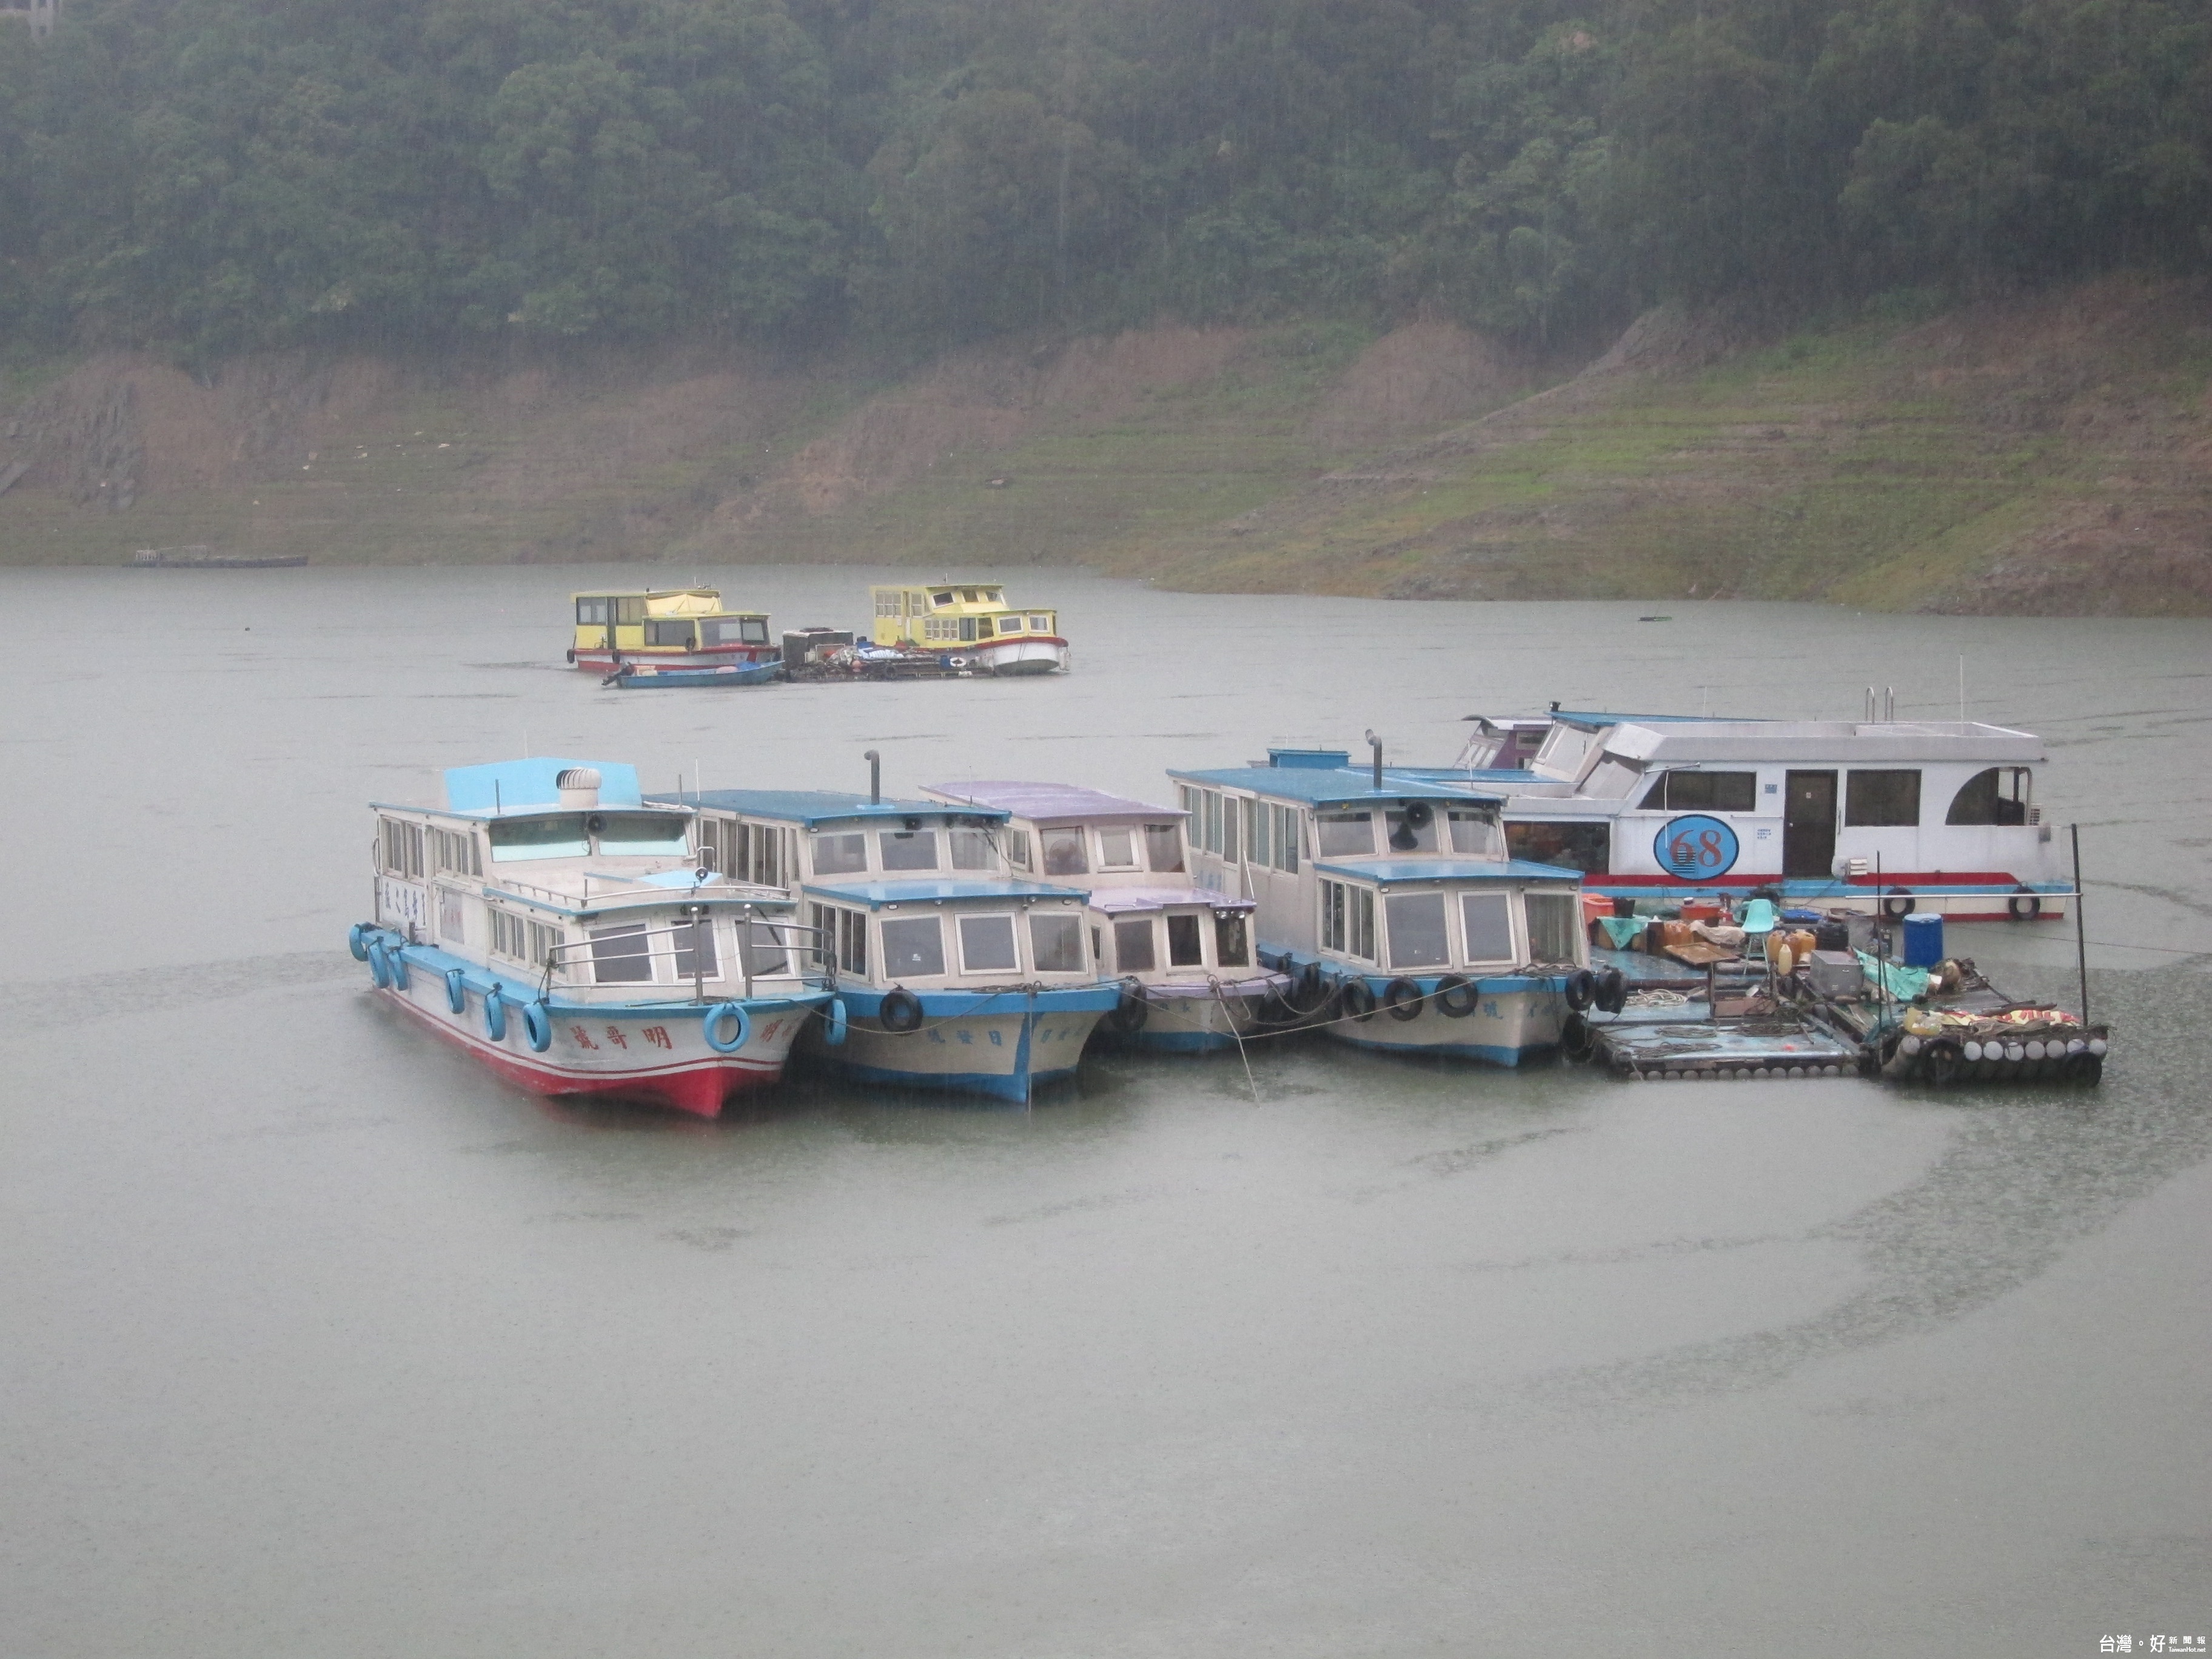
x: 1185, y: 956
x: 1391, y: 902
x: 950, y: 972
x: 1901, y: 815
x: 551, y: 923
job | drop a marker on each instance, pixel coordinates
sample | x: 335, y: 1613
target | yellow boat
x: 667, y: 628
x: 970, y: 620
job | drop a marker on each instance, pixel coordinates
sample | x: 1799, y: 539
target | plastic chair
x: 1757, y: 916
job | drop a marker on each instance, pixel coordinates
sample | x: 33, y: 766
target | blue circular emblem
x: 1696, y: 848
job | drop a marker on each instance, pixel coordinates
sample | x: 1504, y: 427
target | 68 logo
x: 1696, y: 848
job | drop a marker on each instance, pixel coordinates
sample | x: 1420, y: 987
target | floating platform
x: 1695, y: 1046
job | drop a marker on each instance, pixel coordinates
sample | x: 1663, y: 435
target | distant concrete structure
x: 38, y: 14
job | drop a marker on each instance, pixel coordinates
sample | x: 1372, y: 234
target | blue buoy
x: 1924, y: 940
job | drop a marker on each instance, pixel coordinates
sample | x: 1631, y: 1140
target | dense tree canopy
x: 209, y: 175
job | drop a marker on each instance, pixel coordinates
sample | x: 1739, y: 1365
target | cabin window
x: 621, y: 956
x: 1185, y: 949
x: 1882, y: 799
x: 1233, y: 940
x: 539, y: 838
x: 940, y: 599
x: 914, y: 948
x: 1009, y: 625
x: 1231, y: 811
x: 545, y: 943
x: 1133, y: 947
x: 594, y: 612
x: 967, y: 628
x: 1405, y: 836
x: 982, y: 627
x: 629, y: 612
x: 1611, y: 778
x: 994, y: 596
x: 916, y: 603
x: 695, y: 950
x: 840, y: 855
x: 1193, y: 810
x: 1996, y: 796
x: 1117, y: 849
x: 1258, y: 820
x: 403, y: 847
x: 1487, y: 920
x: 1417, y: 930
x: 710, y: 845
x: 640, y: 833
x: 1040, y: 624
x: 1286, y: 839
x: 668, y: 633
x: 971, y: 849
x: 1474, y: 833
x: 734, y: 630
x: 987, y: 945
x: 761, y: 950
x: 453, y: 916
x: 909, y: 850
x: 968, y: 595
x: 943, y: 629
x: 1699, y: 792
x: 1347, y: 919
x: 841, y: 939
x: 1345, y: 833
x: 1063, y: 853
x: 1163, y: 848
x: 1552, y: 927
x: 1056, y: 942
x: 508, y: 938
x: 1210, y: 800
x: 1017, y: 848
x: 1571, y: 844
x: 455, y: 850
x: 887, y: 604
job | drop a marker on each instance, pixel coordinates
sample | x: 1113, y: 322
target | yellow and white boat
x: 970, y: 621
x: 666, y: 627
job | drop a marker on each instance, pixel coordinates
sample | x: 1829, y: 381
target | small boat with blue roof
x: 552, y: 922
x: 1184, y: 954
x: 951, y: 972
x: 1390, y: 900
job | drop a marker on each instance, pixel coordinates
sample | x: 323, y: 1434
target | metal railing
x: 576, y: 962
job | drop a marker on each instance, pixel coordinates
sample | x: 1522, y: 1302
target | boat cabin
x: 1148, y: 921
x: 559, y: 877
x: 954, y: 613
x: 1373, y: 872
x: 684, y: 621
x: 1937, y: 813
x: 914, y: 893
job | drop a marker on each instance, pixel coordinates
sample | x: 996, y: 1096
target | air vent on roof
x: 579, y: 786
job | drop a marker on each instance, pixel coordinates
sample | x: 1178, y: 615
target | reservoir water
x: 317, y: 1341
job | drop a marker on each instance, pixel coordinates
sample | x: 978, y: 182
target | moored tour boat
x: 551, y: 923
x: 971, y: 621
x: 951, y: 973
x: 1391, y: 902
x: 666, y: 627
x: 1183, y: 954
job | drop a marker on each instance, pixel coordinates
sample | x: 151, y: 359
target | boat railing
x: 577, y: 962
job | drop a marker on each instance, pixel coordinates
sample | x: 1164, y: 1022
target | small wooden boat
x: 648, y: 677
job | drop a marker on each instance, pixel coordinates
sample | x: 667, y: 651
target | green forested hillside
x: 204, y: 177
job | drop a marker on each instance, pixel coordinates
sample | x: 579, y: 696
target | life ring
x: 538, y: 1026
x: 956, y: 662
x: 901, y: 1011
x: 496, y: 1015
x: 457, y: 989
x: 356, y: 943
x: 1130, y: 1013
x: 835, y: 1023
x: 1612, y: 991
x: 1456, y: 996
x: 712, y: 1023
x: 379, y: 967
x: 1402, y: 998
x: 1357, y: 998
x: 2024, y: 905
x: 1582, y: 989
x: 1897, y: 904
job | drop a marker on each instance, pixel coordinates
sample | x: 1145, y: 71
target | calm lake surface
x: 317, y: 1340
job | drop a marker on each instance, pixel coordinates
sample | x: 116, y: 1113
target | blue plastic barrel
x: 1924, y: 940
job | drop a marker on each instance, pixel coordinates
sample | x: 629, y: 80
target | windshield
x: 640, y: 832
x: 561, y: 837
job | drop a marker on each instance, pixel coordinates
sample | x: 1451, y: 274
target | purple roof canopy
x: 1062, y: 801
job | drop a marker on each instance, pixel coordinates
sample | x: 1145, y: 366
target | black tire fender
x: 1357, y: 998
x: 1402, y: 998
x: 900, y: 1011
x: 2024, y: 905
x: 1582, y: 989
x: 1456, y: 996
x: 1897, y: 904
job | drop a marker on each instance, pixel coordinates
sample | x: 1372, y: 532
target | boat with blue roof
x: 1389, y: 899
x: 552, y: 922
x: 951, y: 972
x: 1191, y: 980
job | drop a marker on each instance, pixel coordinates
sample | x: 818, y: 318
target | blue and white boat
x: 1184, y: 954
x: 951, y: 973
x: 1391, y: 902
x: 551, y: 923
